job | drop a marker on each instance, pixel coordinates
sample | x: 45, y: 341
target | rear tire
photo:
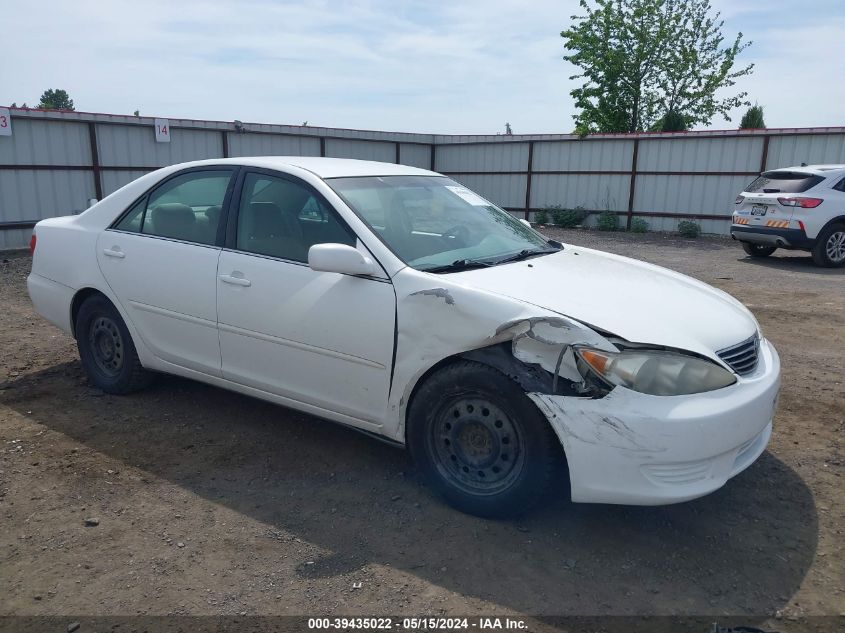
x: 829, y: 250
x: 480, y: 442
x: 758, y: 250
x: 106, y: 349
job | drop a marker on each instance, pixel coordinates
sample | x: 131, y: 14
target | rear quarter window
x: 783, y: 182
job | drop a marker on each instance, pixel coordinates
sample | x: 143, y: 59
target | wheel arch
x: 79, y: 298
x: 527, y: 377
x: 840, y: 219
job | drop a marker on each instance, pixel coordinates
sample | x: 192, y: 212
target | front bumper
x: 637, y: 449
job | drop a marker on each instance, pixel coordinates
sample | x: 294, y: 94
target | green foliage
x: 639, y: 225
x: 671, y: 122
x: 607, y: 221
x: 55, y: 100
x: 688, y: 228
x: 567, y: 218
x: 642, y: 59
x: 753, y: 119
x: 541, y: 217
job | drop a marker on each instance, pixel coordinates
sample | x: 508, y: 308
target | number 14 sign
x: 162, y: 131
x: 5, y: 122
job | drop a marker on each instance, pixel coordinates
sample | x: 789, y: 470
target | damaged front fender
x: 530, y: 344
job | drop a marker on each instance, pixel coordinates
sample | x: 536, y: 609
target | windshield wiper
x: 525, y: 254
x: 458, y: 264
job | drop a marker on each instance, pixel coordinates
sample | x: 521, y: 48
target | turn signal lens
x: 804, y: 203
x: 655, y: 372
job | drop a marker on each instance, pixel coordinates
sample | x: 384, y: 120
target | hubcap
x: 106, y: 345
x: 477, y: 446
x: 835, y: 247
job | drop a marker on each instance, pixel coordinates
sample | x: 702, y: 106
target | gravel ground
x: 186, y: 499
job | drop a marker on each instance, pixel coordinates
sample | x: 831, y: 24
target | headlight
x: 653, y: 372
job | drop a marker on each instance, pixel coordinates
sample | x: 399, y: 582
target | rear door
x: 160, y: 260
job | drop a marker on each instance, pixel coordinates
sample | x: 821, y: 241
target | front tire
x: 829, y: 250
x: 758, y: 250
x: 480, y: 442
x: 106, y: 349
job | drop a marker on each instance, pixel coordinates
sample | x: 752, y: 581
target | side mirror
x: 526, y: 223
x: 339, y: 258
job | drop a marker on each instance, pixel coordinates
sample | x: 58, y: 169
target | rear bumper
x: 782, y: 238
x: 637, y: 449
x: 51, y: 300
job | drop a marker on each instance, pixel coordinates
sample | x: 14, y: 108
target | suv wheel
x: 106, y: 349
x: 758, y: 250
x: 829, y: 250
x: 480, y: 442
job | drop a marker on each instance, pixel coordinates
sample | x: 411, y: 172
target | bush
x: 567, y: 218
x: 541, y: 217
x: 608, y: 221
x: 638, y: 225
x: 687, y: 228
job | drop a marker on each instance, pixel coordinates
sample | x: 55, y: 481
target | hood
x: 636, y: 301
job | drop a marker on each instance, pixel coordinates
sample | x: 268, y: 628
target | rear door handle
x: 114, y: 252
x: 235, y: 281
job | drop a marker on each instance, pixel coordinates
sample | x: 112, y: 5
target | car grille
x: 742, y: 357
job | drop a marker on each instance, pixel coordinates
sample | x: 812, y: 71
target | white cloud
x: 405, y: 65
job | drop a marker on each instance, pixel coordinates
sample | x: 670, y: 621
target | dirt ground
x: 211, y: 503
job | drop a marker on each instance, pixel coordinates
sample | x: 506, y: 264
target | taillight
x: 804, y: 203
x: 739, y: 199
x: 32, y: 245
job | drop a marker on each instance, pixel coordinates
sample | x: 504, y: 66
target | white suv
x: 797, y: 208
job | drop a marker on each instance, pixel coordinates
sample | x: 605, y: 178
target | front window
x: 433, y: 223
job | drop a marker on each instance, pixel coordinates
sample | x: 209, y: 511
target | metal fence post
x: 95, y: 160
x: 632, y: 185
x: 528, y: 180
x: 764, y: 155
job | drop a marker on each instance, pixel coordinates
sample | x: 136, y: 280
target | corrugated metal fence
x: 54, y: 162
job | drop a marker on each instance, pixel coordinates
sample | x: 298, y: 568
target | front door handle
x: 114, y: 251
x: 235, y: 281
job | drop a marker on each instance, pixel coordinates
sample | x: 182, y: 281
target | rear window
x: 783, y: 182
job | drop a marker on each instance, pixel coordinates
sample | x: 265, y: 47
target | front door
x: 322, y: 339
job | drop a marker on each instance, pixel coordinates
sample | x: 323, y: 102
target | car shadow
x: 742, y: 550
x: 792, y: 262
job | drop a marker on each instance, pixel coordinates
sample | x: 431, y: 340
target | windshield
x: 433, y: 223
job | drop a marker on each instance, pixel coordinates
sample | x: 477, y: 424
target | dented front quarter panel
x: 438, y: 318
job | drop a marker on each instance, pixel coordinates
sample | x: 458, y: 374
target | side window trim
x: 231, y: 242
x: 234, y: 175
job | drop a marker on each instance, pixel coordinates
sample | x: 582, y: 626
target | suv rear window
x: 783, y: 182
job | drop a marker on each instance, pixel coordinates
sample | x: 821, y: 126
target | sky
x: 463, y: 66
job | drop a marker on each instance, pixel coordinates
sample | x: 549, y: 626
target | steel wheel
x: 835, y: 247
x: 477, y: 446
x: 106, y: 345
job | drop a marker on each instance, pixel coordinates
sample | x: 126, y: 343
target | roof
x: 324, y: 167
x: 822, y: 170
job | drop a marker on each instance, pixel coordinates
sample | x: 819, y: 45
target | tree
x: 643, y: 59
x: 753, y: 119
x: 55, y: 100
x: 671, y: 122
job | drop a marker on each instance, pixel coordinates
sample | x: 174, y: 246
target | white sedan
x: 396, y: 301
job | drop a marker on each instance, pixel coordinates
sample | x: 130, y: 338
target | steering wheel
x: 459, y: 232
